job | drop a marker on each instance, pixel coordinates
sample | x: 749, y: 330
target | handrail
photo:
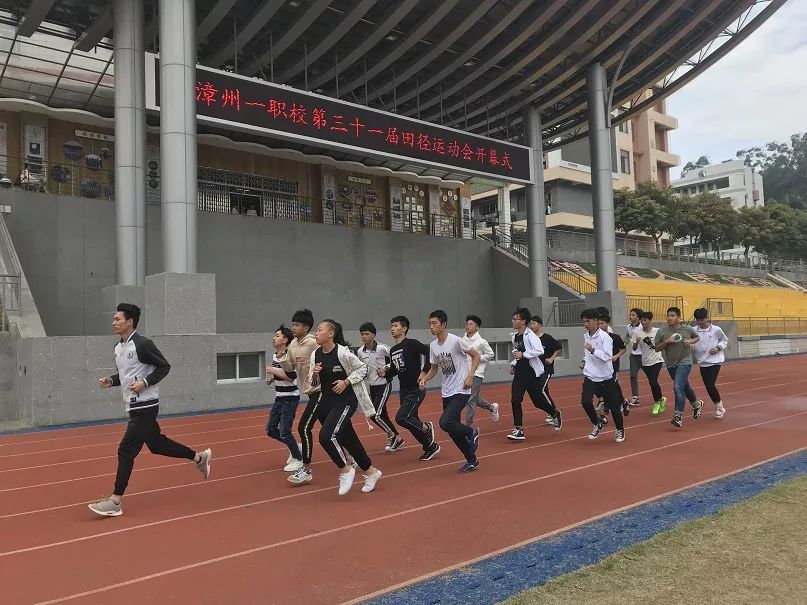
x: 771, y: 326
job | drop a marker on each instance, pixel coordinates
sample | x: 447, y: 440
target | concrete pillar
x: 602, y: 188
x: 615, y: 301
x: 536, y: 212
x: 130, y: 143
x: 503, y: 207
x: 178, y: 135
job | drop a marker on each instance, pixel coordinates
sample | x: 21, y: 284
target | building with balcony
x: 731, y: 180
x: 640, y: 152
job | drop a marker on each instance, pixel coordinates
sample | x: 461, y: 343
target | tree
x: 783, y: 167
x: 699, y: 163
x: 649, y: 210
x: 710, y: 220
x: 772, y: 230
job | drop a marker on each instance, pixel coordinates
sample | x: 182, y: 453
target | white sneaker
x: 346, y: 480
x: 293, y: 466
x: 550, y: 419
x: 370, y: 481
x: 720, y: 411
x: 301, y: 476
x: 204, y: 462
x: 494, y: 414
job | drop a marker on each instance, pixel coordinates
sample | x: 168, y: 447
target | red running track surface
x: 248, y: 536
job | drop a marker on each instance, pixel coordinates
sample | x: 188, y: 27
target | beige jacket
x: 300, y: 358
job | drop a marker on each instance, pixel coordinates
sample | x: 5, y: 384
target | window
x: 237, y: 367
x: 624, y: 161
x: 623, y: 127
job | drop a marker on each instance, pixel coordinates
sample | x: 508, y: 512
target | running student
x: 287, y: 398
x: 618, y: 352
x: 710, y: 357
x: 552, y: 349
x: 644, y: 341
x: 450, y: 354
x: 377, y: 355
x: 674, y: 341
x: 473, y: 339
x: 527, y: 368
x: 598, y: 372
x: 141, y: 367
x: 410, y: 361
x: 300, y: 351
x: 341, y: 378
x: 634, y: 327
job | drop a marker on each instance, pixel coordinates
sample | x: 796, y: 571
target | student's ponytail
x: 338, y: 334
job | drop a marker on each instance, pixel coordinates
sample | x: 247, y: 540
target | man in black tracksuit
x: 141, y: 367
x: 410, y: 361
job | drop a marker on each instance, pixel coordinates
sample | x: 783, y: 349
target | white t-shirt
x: 650, y: 356
x: 631, y: 331
x: 452, y: 359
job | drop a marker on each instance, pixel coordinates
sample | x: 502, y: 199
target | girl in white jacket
x: 341, y: 376
x: 710, y: 357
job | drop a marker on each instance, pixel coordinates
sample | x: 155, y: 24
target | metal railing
x: 564, y: 239
x: 90, y: 175
x: 577, y: 282
x: 10, y: 276
x: 567, y: 312
x: 771, y: 326
x: 719, y: 308
x: 657, y: 305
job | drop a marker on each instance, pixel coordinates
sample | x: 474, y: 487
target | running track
x: 247, y: 536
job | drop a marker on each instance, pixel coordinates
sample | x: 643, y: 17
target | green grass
x: 753, y: 552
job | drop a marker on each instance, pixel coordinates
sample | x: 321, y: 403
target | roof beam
x: 483, y: 68
x: 660, y: 18
x: 431, y: 21
x: 96, y: 32
x: 439, y: 47
x: 513, y: 88
x: 381, y: 30
x: 491, y: 35
x: 36, y: 13
x: 255, y: 23
x: 339, y: 32
x: 213, y: 18
x: 292, y: 34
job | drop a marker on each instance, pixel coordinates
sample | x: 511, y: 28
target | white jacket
x: 483, y: 348
x: 356, y: 375
x: 711, y: 337
x: 533, y: 349
x: 598, y: 362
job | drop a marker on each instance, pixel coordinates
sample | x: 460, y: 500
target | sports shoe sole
x: 516, y: 438
x: 300, y: 481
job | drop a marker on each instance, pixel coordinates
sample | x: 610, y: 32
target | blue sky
x: 755, y: 94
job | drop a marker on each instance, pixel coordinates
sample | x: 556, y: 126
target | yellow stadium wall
x: 748, y: 301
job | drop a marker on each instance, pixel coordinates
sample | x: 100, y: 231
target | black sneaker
x: 430, y: 433
x: 595, y: 431
x: 603, y: 420
x: 625, y: 408
x: 697, y: 409
x: 678, y: 420
x: 430, y: 453
x: 557, y: 421
x: 620, y: 436
x: 396, y: 444
x: 517, y: 435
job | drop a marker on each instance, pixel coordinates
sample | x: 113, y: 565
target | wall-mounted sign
x: 97, y: 136
x: 357, y: 179
x: 237, y: 102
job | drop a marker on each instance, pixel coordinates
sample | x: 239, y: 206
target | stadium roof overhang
x: 472, y: 65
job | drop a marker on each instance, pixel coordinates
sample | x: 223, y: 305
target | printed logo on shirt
x: 398, y: 360
x: 337, y: 369
x: 446, y: 363
x: 130, y: 355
